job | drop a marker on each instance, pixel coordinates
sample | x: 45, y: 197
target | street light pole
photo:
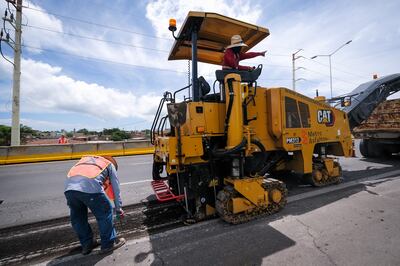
x: 330, y: 62
x: 330, y: 74
x: 294, y: 58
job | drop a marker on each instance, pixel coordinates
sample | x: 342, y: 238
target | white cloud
x: 39, y: 38
x: 43, y: 124
x: 160, y: 11
x: 49, y: 90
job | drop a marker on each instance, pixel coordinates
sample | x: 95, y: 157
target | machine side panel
x: 260, y: 110
x: 204, y: 118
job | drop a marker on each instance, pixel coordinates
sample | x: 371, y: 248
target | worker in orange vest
x: 92, y: 183
x: 62, y: 140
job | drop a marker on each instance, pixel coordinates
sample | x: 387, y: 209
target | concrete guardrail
x: 41, y: 153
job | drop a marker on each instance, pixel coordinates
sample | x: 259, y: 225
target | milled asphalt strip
x: 61, y: 226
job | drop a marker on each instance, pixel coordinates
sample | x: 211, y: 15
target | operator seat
x: 205, y: 89
x: 246, y: 76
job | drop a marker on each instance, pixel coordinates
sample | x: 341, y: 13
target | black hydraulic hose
x: 262, y: 148
x: 270, y: 164
x: 230, y: 104
x: 234, y: 150
x: 258, y: 144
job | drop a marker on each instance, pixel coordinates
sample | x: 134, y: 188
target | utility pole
x: 294, y: 58
x: 15, y: 127
x: 16, y: 46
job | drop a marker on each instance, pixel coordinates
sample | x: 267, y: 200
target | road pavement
x: 34, y: 192
x: 353, y: 226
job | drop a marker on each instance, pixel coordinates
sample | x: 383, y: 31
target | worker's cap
x: 236, y: 41
x: 112, y: 160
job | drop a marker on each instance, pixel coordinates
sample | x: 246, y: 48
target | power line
x: 349, y: 73
x: 106, y: 26
x: 96, y: 24
x: 101, y: 59
x: 306, y: 69
x: 120, y: 43
x: 96, y: 39
x: 116, y: 62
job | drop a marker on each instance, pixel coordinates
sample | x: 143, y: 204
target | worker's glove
x: 120, y: 214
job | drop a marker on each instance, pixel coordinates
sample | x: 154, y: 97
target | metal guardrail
x: 41, y: 153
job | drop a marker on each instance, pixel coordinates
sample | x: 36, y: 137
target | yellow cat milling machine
x: 224, y: 147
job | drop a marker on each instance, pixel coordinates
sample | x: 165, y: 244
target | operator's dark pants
x: 100, y: 206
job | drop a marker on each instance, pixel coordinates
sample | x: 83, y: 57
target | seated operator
x: 233, y: 55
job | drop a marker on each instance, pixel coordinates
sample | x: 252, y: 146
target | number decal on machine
x: 326, y: 117
x: 293, y: 140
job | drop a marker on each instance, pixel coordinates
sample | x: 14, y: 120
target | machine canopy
x: 214, y: 34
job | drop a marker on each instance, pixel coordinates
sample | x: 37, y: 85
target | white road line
x: 136, y: 182
x: 140, y: 163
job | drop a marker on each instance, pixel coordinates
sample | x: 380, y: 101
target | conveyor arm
x: 366, y: 97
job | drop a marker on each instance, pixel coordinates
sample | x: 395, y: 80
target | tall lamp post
x: 330, y: 61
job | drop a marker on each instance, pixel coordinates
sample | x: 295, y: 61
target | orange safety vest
x: 62, y: 141
x: 91, y: 167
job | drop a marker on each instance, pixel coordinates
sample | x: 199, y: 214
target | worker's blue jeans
x: 101, y: 208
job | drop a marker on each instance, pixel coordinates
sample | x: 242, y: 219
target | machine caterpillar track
x: 276, y: 194
x: 217, y: 146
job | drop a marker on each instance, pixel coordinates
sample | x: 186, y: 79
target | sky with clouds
x: 101, y: 64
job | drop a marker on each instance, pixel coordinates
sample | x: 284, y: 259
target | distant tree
x: 93, y: 132
x: 119, y: 135
x: 27, y: 130
x: 5, y: 135
x: 84, y: 131
x: 110, y: 131
x: 69, y: 134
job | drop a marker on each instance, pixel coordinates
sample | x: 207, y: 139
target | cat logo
x: 326, y: 117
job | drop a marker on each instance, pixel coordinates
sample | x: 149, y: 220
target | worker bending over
x: 86, y: 186
x: 233, y: 55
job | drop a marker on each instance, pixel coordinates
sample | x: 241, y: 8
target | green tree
x: 5, y: 135
x: 83, y: 130
x: 110, y: 131
x: 28, y: 130
x: 119, y: 135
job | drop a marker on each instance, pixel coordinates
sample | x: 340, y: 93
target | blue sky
x: 115, y: 76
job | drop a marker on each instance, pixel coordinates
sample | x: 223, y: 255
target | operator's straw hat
x: 236, y: 41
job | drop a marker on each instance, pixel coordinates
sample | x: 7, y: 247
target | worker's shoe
x: 87, y: 249
x: 119, y: 242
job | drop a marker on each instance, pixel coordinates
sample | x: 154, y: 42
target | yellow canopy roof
x: 214, y: 34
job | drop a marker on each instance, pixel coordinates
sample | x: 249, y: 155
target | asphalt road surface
x: 34, y: 192
x: 353, y: 226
